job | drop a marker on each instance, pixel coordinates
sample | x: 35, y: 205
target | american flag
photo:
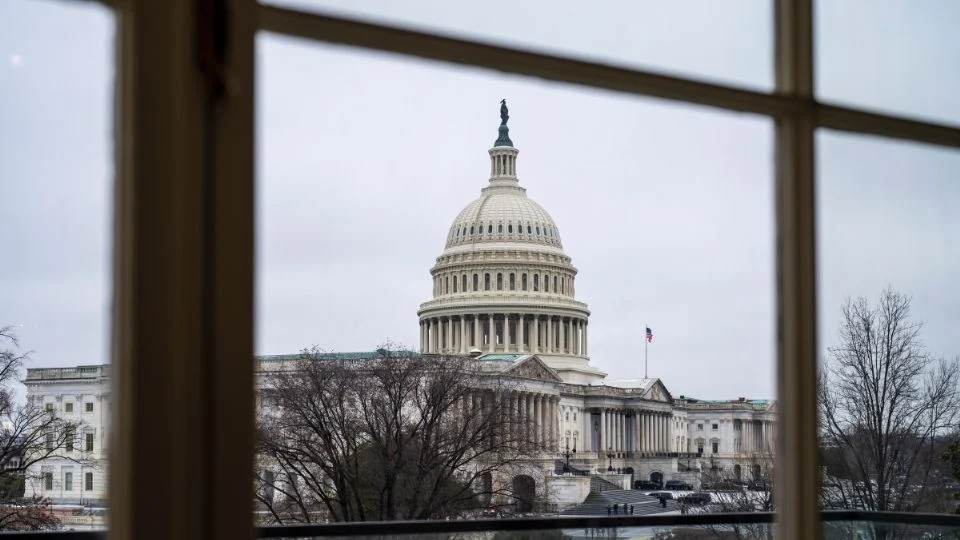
x: 649, y: 335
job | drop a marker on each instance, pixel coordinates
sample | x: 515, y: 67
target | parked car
x: 677, y: 485
x: 646, y: 484
x: 661, y: 494
x: 695, y: 498
x: 489, y: 512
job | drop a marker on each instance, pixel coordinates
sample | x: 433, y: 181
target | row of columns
x: 756, y: 436
x: 507, y: 332
x: 619, y: 430
x: 527, y: 420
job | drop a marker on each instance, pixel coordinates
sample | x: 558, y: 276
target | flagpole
x: 645, y: 343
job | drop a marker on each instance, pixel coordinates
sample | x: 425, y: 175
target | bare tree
x: 746, y: 487
x: 400, y: 436
x: 29, y: 435
x: 884, y: 405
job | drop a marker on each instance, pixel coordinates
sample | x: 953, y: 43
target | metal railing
x: 911, y: 522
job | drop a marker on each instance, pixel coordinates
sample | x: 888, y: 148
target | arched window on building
x: 513, y: 281
x: 523, y: 282
x: 510, y: 228
x: 500, y: 228
x: 463, y: 283
x: 480, y: 229
x: 536, y: 282
x: 554, y: 283
x: 454, y: 283
x: 490, y: 229
x: 499, y: 281
x: 476, y: 282
x: 546, y: 283
x: 486, y: 282
x: 563, y: 285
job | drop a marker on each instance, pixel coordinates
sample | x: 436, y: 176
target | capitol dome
x: 503, y: 284
x: 504, y: 214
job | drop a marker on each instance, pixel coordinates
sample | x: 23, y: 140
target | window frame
x: 185, y: 148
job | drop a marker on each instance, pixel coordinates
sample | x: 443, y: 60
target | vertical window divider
x: 183, y: 276
x: 796, y: 450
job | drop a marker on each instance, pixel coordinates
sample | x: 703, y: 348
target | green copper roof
x: 501, y: 357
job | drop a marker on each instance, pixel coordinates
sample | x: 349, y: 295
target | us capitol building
x: 504, y: 292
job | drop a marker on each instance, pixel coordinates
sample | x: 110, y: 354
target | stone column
x: 463, y: 334
x: 636, y: 432
x: 641, y: 436
x: 560, y: 327
x: 659, y: 432
x: 518, y: 421
x: 477, y: 334
x: 426, y: 335
x: 506, y: 332
x: 612, y: 415
x: 538, y: 414
x: 663, y: 433
x: 655, y: 429
x: 521, y: 331
x: 603, y: 430
x: 535, y: 334
x: 570, y: 335
x: 621, y: 431
x: 549, y: 347
x: 492, y: 331
x: 528, y: 419
x: 671, y: 446
x: 624, y: 433
x: 450, y: 340
x: 586, y: 342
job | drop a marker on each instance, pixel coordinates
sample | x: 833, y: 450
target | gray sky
x: 364, y: 159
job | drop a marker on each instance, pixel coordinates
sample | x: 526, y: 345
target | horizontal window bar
x: 556, y: 68
x: 346, y: 31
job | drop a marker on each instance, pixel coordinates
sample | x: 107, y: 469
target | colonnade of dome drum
x: 504, y: 332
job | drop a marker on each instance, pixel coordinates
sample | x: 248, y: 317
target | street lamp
x: 567, y: 453
x: 609, y: 459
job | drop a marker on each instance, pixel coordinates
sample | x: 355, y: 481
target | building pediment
x: 533, y: 368
x: 658, y: 392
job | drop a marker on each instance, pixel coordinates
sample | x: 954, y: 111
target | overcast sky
x: 364, y: 159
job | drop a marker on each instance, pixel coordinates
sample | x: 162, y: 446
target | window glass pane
x: 723, y: 42
x: 56, y: 187
x: 662, y: 225
x: 897, y: 57
x: 889, y: 307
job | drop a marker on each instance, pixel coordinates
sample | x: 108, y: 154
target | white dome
x: 503, y: 214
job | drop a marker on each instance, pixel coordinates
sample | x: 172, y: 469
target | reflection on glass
x: 728, y: 43
x: 56, y: 77
x: 895, y: 57
x: 889, y: 406
x: 593, y: 280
